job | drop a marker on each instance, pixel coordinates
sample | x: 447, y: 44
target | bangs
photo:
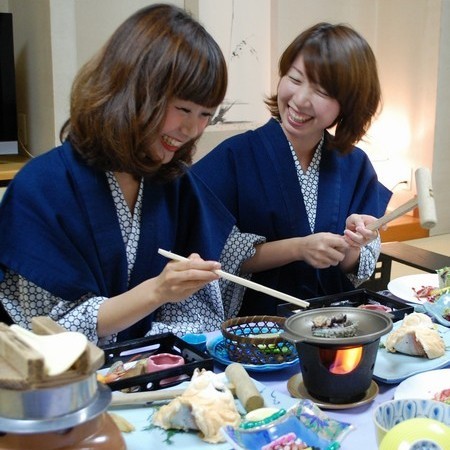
x: 200, y: 76
x: 322, y: 67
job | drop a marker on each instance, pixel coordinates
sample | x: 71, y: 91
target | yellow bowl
x: 420, y: 433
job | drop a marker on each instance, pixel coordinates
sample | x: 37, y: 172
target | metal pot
x: 371, y: 325
x: 53, y: 408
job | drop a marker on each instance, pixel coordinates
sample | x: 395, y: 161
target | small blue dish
x: 439, y: 309
x: 196, y: 340
x: 303, y: 422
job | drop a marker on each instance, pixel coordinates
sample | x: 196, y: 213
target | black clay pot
x: 317, y: 354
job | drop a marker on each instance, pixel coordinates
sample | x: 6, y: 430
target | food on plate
x: 416, y: 336
x: 417, y: 319
x: 426, y: 293
x: 206, y: 405
x: 446, y: 314
x: 122, y: 423
x: 432, y: 293
x: 439, y: 309
x: 443, y: 396
x: 444, y: 277
x: 375, y: 307
x: 118, y: 371
x: 333, y: 326
x: 135, y: 367
x: 441, y: 291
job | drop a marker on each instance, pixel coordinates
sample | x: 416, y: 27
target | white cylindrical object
x: 425, y: 198
x: 246, y: 390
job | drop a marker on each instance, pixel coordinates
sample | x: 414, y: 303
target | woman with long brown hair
x: 80, y: 225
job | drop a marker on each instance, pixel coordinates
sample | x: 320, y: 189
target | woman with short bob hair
x: 299, y: 180
x: 343, y: 64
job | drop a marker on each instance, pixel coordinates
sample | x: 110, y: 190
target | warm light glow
x: 388, y: 144
x: 391, y: 132
x: 346, y: 360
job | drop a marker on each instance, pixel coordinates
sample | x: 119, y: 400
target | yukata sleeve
x: 367, y: 262
x: 217, y: 301
x: 24, y: 300
x: 202, y: 312
x: 238, y: 248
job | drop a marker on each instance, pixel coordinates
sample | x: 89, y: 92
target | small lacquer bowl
x: 163, y: 361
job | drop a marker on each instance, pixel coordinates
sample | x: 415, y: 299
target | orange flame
x: 346, y: 360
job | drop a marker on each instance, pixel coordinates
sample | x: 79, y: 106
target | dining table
x: 362, y: 430
x: 362, y: 434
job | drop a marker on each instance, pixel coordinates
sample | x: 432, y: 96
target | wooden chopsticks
x: 244, y: 282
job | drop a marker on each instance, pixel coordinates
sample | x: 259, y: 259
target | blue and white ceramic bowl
x: 391, y: 413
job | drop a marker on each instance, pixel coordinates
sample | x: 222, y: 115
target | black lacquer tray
x: 354, y: 298
x: 161, y: 343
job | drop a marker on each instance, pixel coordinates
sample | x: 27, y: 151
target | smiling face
x: 184, y: 121
x: 305, y: 108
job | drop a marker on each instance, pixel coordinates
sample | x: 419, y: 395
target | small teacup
x: 196, y: 340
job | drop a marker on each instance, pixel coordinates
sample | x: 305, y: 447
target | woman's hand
x: 356, y: 234
x: 177, y: 281
x: 180, y: 279
x: 322, y: 250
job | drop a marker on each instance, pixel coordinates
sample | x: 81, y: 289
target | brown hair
x: 119, y: 98
x: 341, y: 61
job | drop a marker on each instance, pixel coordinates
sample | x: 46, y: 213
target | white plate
x: 424, y: 385
x: 147, y: 437
x: 403, y: 287
x: 396, y: 367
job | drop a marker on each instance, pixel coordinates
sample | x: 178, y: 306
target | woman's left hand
x: 356, y: 234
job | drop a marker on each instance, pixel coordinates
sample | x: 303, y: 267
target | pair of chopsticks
x: 142, y: 398
x: 244, y: 282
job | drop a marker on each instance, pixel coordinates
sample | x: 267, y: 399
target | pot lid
x: 370, y: 325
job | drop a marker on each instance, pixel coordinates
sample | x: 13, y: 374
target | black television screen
x: 8, y: 109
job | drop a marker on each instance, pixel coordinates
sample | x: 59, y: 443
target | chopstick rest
x: 244, y: 282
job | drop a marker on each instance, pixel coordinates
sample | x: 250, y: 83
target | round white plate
x: 424, y: 385
x: 403, y: 287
